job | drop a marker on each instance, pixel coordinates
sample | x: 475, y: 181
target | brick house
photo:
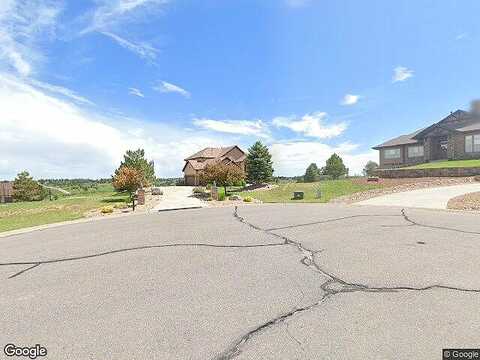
x: 196, y: 163
x: 6, y: 191
x: 456, y: 137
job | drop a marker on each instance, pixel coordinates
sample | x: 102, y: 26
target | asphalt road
x: 266, y: 282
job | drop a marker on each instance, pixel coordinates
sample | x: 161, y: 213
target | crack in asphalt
x: 333, y: 286
x: 23, y: 271
x: 414, y: 223
x: 236, y: 349
x: 75, y: 258
x: 327, y: 221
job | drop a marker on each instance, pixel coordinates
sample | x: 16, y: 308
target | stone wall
x: 415, y: 173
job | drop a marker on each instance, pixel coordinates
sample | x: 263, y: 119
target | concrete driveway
x: 266, y: 282
x: 177, y: 198
x: 429, y: 198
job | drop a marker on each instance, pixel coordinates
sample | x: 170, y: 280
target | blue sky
x: 82, y: 81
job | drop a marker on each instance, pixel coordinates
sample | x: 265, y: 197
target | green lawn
x: 446, y: 164
x: 24, y: 214
x: 329, y: 189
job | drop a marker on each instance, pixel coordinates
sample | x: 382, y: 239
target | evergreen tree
x: 335, y: 167
x: 135, y: 159
x: 312, y: 173
x: 369, y: 168
x: 27, y: 189
x: 259, y: 164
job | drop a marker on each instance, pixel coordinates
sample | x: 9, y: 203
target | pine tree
x: 27, y: 189
x: 335, y: 167
x: 259, y: 164
x: 136, y: 160
x: 312, y: 173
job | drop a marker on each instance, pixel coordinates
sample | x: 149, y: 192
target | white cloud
x: 111, y: 17
x: 22, y: 25
x: 135, y: 92
x: 461, y: 36
x: 110, y: 13
x: 144, y: 50
x: 166, y: 87
x: 401, y: 73
x: 311, y: 125
x: 61, y: 90
x: 56, y: 138
x: 292, y: 158
x: 350, y: 99
x: 243, y: 127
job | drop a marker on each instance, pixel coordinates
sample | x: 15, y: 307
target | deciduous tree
x: 369, y: 168
x: 223, y: 175
x: 128, y: 179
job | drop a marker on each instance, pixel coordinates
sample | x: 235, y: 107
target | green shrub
x: 248, y: 199
x: 221, y: 196
x: 240, y: 183
x: 107, y: 210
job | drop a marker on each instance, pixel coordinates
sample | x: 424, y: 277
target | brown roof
x: 400, y: 140
x: 210, y: 152
x: 209, y: 156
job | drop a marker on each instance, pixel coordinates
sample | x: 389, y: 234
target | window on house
x: 392, y: 153
x: 472, y: 143
x: 415, y: 151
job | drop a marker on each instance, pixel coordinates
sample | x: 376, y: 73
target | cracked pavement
x: 301, y: 281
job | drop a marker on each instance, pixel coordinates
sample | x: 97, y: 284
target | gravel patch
x: 469, y: 201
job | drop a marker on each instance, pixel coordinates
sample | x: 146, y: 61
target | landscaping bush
x: 221, y: 196
x: 248, y: 199
x: 107, y: 210
x: 241, y: 184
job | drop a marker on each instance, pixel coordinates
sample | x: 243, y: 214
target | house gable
x: 227, y: 155
x: 235, y: 153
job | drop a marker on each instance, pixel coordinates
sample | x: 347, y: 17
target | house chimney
x: 475, y: 107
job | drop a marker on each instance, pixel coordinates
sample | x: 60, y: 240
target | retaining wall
x: 415, y: 173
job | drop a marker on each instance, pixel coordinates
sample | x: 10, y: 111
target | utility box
x: 298, y: 195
